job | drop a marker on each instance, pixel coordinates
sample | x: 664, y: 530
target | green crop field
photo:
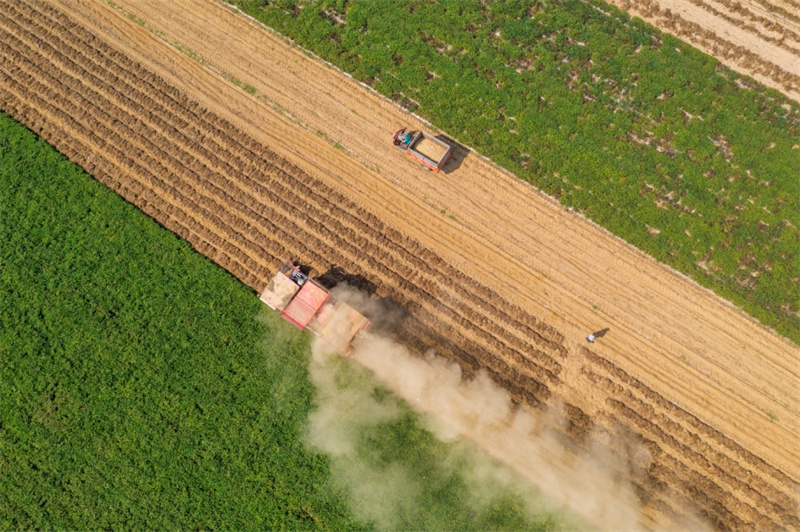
x: 690, y: 162
x: 144, y: 388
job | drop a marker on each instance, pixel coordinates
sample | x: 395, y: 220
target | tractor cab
x: 402, y: 139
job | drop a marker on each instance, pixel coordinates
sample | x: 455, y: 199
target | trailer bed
x: 429, y: 151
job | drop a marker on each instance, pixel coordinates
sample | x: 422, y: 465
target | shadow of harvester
x: 385, y: 314
x: 337, y: 275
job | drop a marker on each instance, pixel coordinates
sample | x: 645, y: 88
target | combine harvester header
x: 306, y: 304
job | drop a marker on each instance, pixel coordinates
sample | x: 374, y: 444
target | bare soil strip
x: 759, y: 38
x: 489, y: 272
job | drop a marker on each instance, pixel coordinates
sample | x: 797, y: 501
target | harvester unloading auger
x: 306, y: 304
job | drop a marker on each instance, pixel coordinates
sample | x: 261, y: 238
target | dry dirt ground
x: 759, y: 38
x: 147, y: 96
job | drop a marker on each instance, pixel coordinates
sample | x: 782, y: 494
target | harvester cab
x: 295, y: 274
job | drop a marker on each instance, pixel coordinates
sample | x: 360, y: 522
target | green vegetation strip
x: 144, y: 388
x: 140, y: 391
x: 657, y: 142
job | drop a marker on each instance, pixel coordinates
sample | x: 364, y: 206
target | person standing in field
x: 595, y: 335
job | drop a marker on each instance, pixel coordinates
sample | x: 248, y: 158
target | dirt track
x: 490, y: 272
x: 759, y: 38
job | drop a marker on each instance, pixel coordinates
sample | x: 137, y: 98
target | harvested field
x: 759, y: 38
x: 489, y: 272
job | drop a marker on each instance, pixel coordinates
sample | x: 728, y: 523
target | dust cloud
x: 591, y: 483
x: 385, y: 490
x: 584, y: 483
x: 345, y: 410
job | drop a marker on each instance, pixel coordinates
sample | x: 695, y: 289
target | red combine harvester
x: 308, y: 305
x: 430, y: 152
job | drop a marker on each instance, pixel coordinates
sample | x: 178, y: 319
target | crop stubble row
x: 248, y: 209
x: 675, y: 439
x: 716, y: 45
x: 210, y: 199
x: 741, y: 15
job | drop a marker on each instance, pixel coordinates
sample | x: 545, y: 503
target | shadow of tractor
x: 457, y: 156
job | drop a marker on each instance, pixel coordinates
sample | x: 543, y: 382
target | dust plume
x: 531, y: 444
x: 398, y: 486
x: 591, y: 483
x: 342, y: 412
